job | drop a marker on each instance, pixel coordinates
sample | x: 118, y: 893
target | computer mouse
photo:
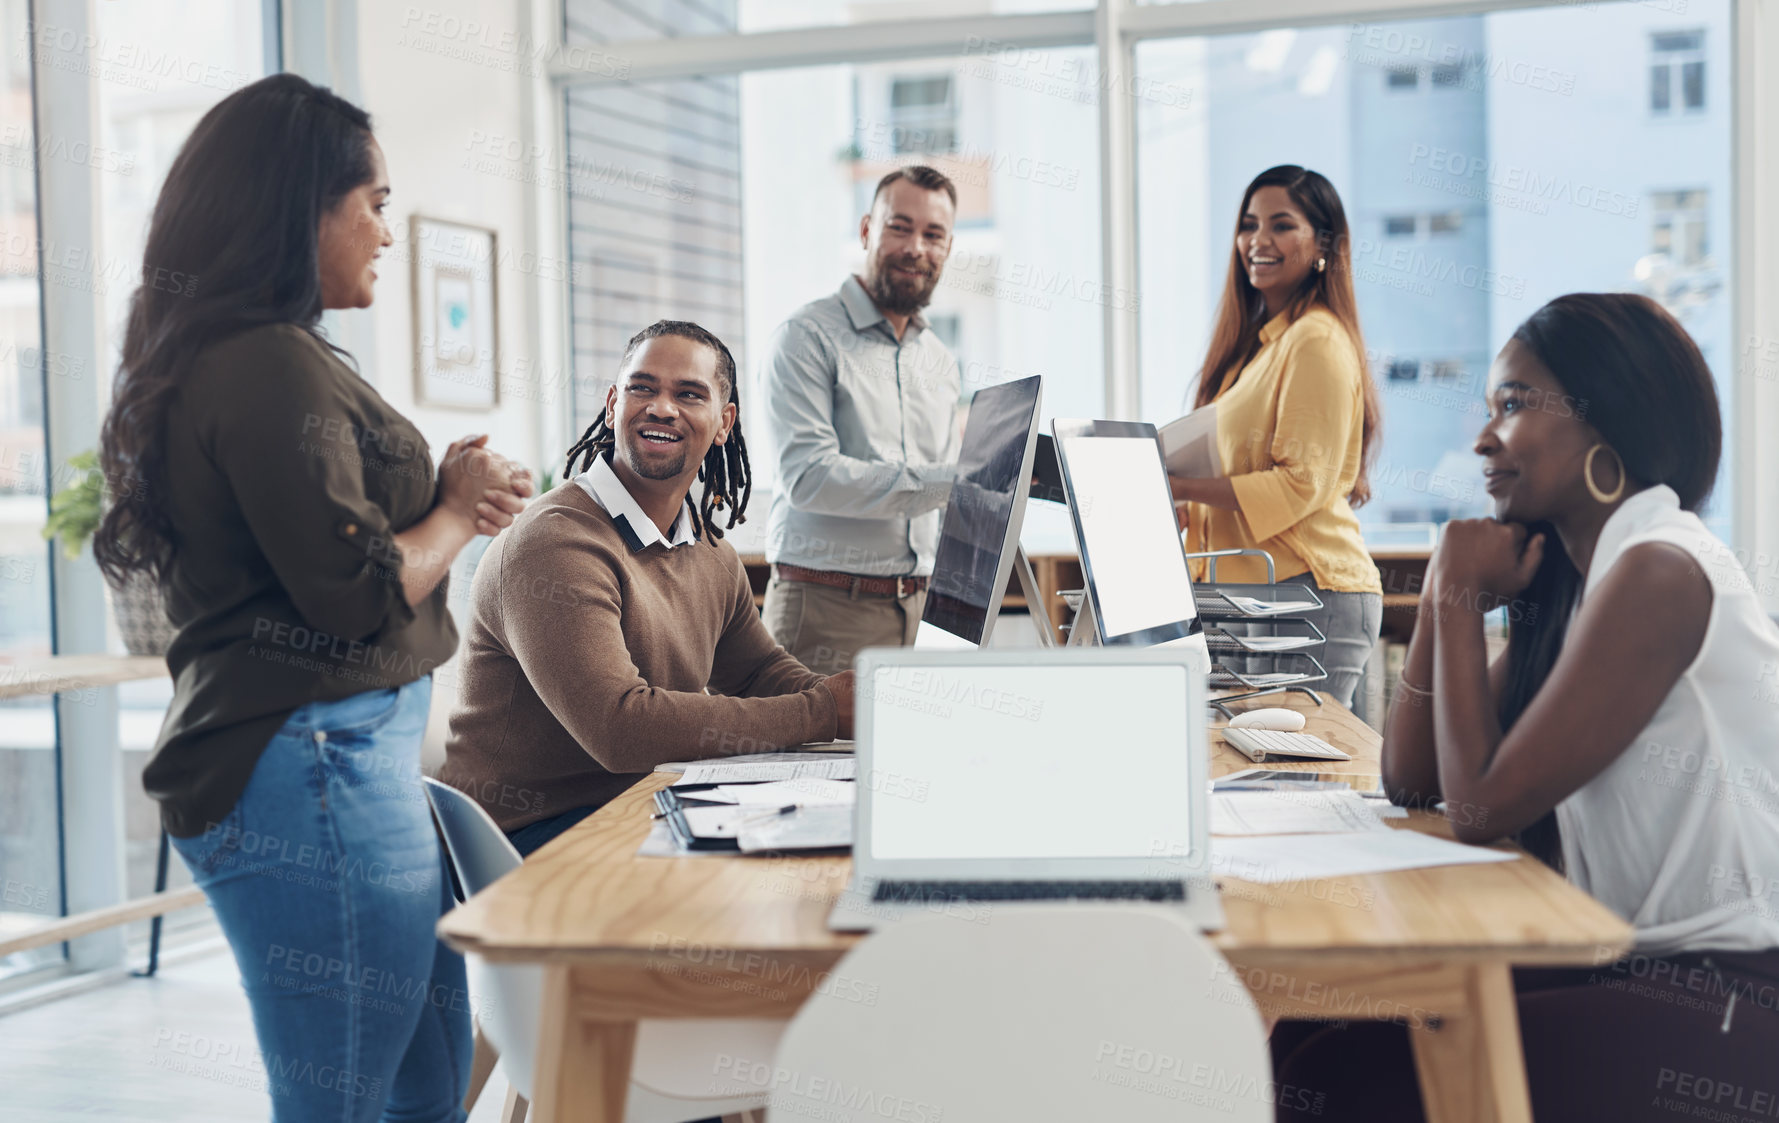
x: 1285, y: 721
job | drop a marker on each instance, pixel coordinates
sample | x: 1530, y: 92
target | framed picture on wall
x: 456, y: 330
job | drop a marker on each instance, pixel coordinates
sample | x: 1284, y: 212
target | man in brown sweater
x: 604, y: 612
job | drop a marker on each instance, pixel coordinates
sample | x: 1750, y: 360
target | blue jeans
x: 328, y: 877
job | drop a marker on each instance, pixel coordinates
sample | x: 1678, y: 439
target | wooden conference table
x: 619, y: 935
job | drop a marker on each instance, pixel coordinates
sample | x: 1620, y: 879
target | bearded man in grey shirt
x: 862, y: 398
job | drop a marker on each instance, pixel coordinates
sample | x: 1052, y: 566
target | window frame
x: 927, y: 119
x: 1114, y: 28
x: 89, y: 764
x: 1673, y: 64
x: 1684, y: 211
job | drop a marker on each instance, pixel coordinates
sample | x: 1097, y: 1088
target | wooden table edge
x: 1297, y: 956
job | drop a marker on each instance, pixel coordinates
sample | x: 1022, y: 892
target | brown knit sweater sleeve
x: 580, y: 664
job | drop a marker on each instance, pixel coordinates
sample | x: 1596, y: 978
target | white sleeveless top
x: 1680, y: 834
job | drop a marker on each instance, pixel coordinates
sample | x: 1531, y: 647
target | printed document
x: 1278, y: 858
x: 808, y: 752
x: 742, y: 772
x: 1254, y: 606
x: 820, y: 827
x: 1333, y: 811
x: 1189, y: 445
x: 779, y: 793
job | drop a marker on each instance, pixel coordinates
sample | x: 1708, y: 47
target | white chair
x: 675, y: 1070
x: 1100, y: 1013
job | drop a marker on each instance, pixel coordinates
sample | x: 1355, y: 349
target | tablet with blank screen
x: 1124, y: 522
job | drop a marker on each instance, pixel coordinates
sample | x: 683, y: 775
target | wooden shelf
x: 61, y: 674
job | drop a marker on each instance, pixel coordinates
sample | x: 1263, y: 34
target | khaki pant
x: 825, y: 627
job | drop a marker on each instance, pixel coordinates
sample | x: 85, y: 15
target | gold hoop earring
x: 1321, y: 265
x: 1587, y: 476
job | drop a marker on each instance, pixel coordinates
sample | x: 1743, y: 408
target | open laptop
x: 994, y: 778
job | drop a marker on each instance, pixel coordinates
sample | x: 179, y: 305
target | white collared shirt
x: 607, y: 490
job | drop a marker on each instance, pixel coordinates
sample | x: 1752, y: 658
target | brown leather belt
x: 897, y: 587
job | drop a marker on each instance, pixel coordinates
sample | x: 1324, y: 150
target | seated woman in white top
x: 1629, y: 733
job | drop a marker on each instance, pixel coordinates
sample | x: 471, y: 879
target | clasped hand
x: 481, y: 487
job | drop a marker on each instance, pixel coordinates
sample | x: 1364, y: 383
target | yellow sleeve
x: 1318, y: 418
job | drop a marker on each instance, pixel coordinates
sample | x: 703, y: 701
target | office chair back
x: 479, y: 850
x: 671, y: 1075
x: 506, y: 999
x: 1088, y: 1012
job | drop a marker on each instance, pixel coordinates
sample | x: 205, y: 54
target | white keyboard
x: 1258, y: 744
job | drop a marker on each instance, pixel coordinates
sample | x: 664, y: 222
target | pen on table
x: 765, y: 815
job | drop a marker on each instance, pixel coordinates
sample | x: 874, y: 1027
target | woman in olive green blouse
x: 301, y: 538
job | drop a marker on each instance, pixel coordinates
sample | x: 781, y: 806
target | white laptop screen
x: 1128, y: 533
x: 978, y: 760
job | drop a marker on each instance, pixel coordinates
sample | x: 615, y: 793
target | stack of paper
x: 1271, y: 678
x: 1325, y: 811
x: 781, y: 793
x: 744, y: 772
x: 1276, y: 643
x: 814, y: 752
x: 1262, y: 837
x: 1253, y: 606
x: 818, y: 826
x: 1280, y: 858
x: 761, y: 801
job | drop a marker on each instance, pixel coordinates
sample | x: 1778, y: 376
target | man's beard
x: 660, y: 470
x: 900, y: 298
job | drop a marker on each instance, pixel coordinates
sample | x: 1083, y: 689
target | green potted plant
x: 74, y: 514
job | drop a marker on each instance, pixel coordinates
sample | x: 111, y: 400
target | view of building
x: 1466, y: 210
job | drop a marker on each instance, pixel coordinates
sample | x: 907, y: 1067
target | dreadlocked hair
x: 728, y: 480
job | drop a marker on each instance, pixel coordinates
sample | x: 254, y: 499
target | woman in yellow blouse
x: 1297, y: 414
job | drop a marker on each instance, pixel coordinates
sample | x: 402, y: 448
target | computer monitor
x: 1123, y: 512
x: 979, y: 535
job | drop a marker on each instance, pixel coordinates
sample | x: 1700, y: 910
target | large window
x: 190, y: 62
x: 155, y: 70
x: 734, y: 200
x: 619, y: 21
x: 1487, y: 163
x: 1471, y: 202
x: 30, y: 860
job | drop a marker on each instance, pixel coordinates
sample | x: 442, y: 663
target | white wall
x: 458, y: 100
x: 447, y: 88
